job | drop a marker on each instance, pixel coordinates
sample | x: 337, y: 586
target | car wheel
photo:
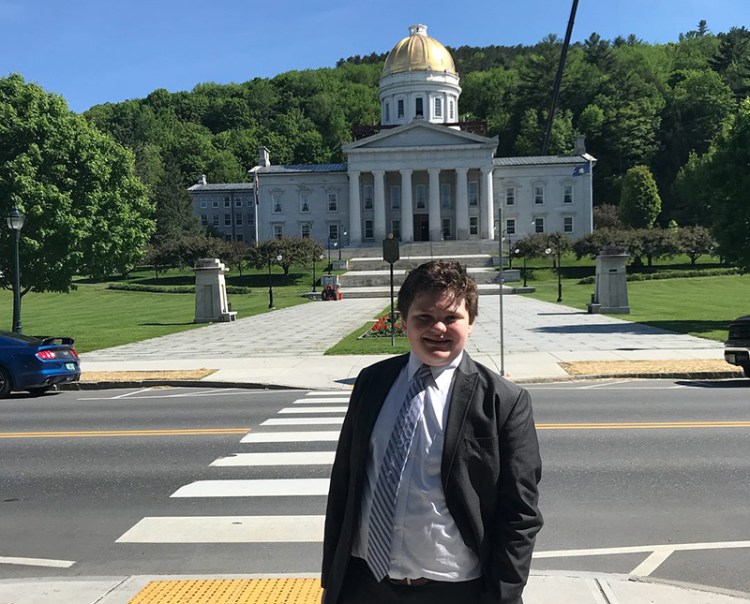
x: 39, y: 391
x: 4, y: 382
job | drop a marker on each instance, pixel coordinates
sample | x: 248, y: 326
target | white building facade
x: 422, y: 175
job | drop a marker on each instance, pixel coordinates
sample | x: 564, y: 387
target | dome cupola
x: 419, y: 81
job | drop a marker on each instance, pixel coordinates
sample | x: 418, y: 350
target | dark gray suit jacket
x: 490, y: 469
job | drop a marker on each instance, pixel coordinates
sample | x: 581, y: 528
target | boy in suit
x: 433, y: 494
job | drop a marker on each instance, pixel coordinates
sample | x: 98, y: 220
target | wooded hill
x: 637, y: 104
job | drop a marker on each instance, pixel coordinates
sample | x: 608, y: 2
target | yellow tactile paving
x: 231, y: 591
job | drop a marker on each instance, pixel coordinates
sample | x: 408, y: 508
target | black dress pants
x: 360, y: 587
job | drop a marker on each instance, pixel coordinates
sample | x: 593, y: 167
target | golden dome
x: 418, y: 52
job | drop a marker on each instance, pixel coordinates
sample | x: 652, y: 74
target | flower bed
x: 382, y: 328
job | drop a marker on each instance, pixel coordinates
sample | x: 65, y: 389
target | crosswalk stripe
x: 313, y: 410
x: 317, y: 393
x: 303, y: 421
x: 226, y: 529
x: 291, y: 437
x: 317, y: 401
x: 275, y: 487
x: 286, y: 458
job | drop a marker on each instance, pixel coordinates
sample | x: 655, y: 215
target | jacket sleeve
x: 518, y: 518
x: 339, y: 485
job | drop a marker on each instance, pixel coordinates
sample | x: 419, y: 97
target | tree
x: 174, y: 209
x: 640, y: 203
x: 607, y: 216
x: 86, y: 211
x: 694, y: 242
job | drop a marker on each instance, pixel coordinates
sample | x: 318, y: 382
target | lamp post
x: 330, y: 264
x: 510, y: 248
x: 315, y: 261
x: 15, y: 221
x: 270, y: 284
x: 555, y: 238
x: 343, y: 234
x: 517, y: 252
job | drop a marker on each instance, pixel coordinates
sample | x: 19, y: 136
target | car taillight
x: 74, y: 353
x: 45, y: 355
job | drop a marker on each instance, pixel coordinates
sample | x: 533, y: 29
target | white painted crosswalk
x: 298, y: 452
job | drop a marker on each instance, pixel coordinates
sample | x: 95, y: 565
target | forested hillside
x: 637, y: 104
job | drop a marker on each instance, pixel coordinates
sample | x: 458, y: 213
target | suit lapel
x: 465, y: 380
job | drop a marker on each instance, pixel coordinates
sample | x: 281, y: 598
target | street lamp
x: 315, y: 261
x: 330, y: 264
x: 342, y: 244
x: 555, y: 237
x: 510, y: 247
x: 15, y: 221
x: 270, y: 285
x: 517, y: 252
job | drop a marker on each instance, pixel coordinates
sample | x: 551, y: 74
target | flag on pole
x: 257, y: 189
x: 581, y: 170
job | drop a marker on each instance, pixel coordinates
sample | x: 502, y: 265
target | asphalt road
x: 650, y: 477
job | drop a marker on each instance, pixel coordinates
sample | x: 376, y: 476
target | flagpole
x: 256, y: 191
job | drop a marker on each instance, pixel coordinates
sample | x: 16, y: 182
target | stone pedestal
x: 329, y: 280
x: 211, y: 292
x: 611, y: 282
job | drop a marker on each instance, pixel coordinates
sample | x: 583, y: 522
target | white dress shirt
x: 426, y: 541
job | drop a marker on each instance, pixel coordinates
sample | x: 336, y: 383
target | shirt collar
x: 415, y: 363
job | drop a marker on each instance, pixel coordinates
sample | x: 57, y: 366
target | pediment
x: 420, y: 134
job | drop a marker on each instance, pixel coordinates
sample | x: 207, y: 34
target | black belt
x: 410, y: 582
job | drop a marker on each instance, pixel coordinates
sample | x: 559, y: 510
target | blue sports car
x: 36, y: 364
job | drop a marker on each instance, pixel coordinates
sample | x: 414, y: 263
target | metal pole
x: 329, y: 255
x: 17, y: 286
x: 502, y: 342
x: 524, y: 270
x: 315, y: 258
x: 559, y: 273
x: 393, y: 319
x: 270, y: 285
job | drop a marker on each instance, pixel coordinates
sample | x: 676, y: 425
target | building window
x: 304, y: 205
x: 387, y: 112
x: 400, y: 107
x: 539, y: 225
x: 240, y: 237
x: 238, y: 202
x: 446, y: 228
x: 538, y: 195
x: 227, y: 202
x: 278, y: 231
x: 368, y: 196
x: 473, y: 193
x: 445, y: 196
x: 227, y: 220
x: 419, y: 107
x: 451, y: 110
x: 395, y: 197
x: 215, y: 203
x: 204, y: 204
x: 510, y: 196
x: 333, y: 202
x: 227, y: 237
x: 420, y: 192
x: 568, y: 194
x: 510, y: 226
x: 473, y: 225
x: 368, y: 230
x: 249, y: 202
x: 204, y: 220
x: 438, y: 107
x: 396, y: 228
x: 568, y: 224
x: 251, y: 219
x: 305, y: 230
x: 238, y: 218
x: 333, y: 232
x: 216, y: 220
x: 276, y: 200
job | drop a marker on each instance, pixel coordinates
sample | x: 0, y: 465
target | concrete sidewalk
x: 543, y: 588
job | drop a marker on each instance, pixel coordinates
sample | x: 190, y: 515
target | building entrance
x: 421, y: 227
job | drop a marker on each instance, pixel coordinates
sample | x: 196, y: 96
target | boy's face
x: 437, y: 327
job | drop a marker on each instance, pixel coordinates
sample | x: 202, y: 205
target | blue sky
x: 98, y: 51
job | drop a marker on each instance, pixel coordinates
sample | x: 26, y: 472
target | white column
x: 462, y: 203
x: 355, y: 213
x: 488, y: 210
x: 379, y: 229
x: 407, y: 207
x: 436, y: 233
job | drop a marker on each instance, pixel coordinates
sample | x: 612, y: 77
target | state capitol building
x: 420, y: 175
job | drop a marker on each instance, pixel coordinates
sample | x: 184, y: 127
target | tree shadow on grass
x: 165, y: 324
x: 678, y: 326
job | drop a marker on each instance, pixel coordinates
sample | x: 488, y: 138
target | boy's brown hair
x: 438, y: 277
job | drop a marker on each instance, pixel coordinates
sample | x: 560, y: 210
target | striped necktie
x: 389, y: 477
